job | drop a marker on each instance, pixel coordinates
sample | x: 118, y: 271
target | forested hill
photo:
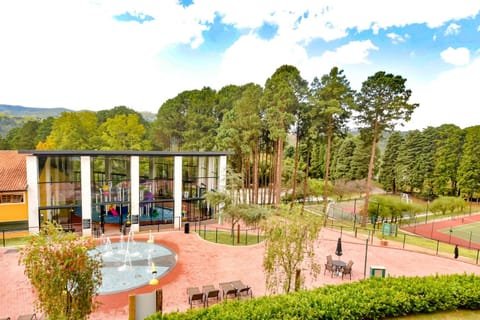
x: 16, y: 116
x: 39, y: 113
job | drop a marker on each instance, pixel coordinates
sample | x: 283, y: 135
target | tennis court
x: 469, y: 231
x: 463, y: 231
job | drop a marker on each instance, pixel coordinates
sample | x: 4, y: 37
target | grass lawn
x: 245, y: 238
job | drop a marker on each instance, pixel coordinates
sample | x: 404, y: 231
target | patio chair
x: 242, y: 289
x: 329, y: 266
x: 348, y: 269
x: 195, y: 296
x: 211, y: 293
x: 228, y: 290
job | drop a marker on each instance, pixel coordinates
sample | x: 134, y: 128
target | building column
x: 33, y: 194
x: 86, y: 195
x: 135, y: 193
x: 222, y: 174
x: 177, y: 192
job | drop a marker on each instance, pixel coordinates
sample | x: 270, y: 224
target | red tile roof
x: 13, y: 171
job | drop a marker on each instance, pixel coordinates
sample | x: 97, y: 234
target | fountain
x: 131, y: 264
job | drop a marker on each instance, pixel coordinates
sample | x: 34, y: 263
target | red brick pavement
x: 200, y: 262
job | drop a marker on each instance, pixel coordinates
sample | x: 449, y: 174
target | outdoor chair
x: 211, y: 293
x: 329, y: 265
x: 242, y: 289
x: 228, y: 290
x: 348, y: 269
x: 195, y: 296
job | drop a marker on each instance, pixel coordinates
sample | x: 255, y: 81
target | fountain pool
x: 131, y: 264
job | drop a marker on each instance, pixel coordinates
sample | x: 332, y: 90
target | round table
x: 338, y: 266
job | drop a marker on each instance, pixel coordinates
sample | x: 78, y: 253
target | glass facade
x: 60, y: 189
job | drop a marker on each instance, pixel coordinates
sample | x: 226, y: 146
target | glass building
x: 94, y: 191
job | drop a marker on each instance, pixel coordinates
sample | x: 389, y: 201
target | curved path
x: 200, y: 263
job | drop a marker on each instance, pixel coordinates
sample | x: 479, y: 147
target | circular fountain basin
x: 132, y: 264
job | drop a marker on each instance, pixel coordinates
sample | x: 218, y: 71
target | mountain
x: 39, y: 113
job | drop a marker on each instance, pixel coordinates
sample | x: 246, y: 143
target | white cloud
x: 452, y: 97
x: 457, y: 57
x: 452, y: 29
x: 396, y: 38
x: 252, y: 59
x: 73, y: 54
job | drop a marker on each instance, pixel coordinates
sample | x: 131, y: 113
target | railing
x: 407, y: 241
x: 236, y: 237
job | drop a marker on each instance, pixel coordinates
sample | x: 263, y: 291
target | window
x: 16, y: 197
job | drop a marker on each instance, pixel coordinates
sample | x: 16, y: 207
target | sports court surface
x: 463, y: 231
x: 201, y: 263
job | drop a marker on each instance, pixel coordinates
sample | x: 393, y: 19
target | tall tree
x: 74, y: 131
x: 241, y: 131
x: 360, y: 159
x: 187, y: 122
x: 409, y: 151
x: 283, y: 93
x: 170, y: 124
x: 449, y: 141
x: 387, y: 175
x: 382, y: 103
x: 124, y: 132
x: 342, y: 160
x: 425, y: 162
x: 201, y: 121
x: 332, y: 100
x: 104, y: 115
x: 469, y: 168
x: 24, y: 137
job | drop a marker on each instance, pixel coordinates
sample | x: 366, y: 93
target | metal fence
x: 406, y: 241
x: 237, y: 236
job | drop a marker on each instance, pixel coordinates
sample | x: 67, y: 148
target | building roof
x: 13, y: 171
x: 125, y: 153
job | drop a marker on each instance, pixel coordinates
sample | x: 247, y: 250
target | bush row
x: 374, y: 298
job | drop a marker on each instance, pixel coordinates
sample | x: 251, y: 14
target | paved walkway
x: 200, y: 263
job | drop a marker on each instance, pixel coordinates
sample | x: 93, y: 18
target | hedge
x: 374, y: 298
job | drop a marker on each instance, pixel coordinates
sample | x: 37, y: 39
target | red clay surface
x: 200, y: 263
x: 431, y: 230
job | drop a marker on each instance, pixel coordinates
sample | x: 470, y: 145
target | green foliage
x: 391, y: 207
x: 388, y: 167
x: 449, y: 141
x: 123, y: 132
x: 290, y: 238
x: 104, y: 115
x: 187, y: 122
x: 469, y: 167
x: 447, y: 204
x: 63, y: 272
x: 74, y: 131
x: 373, y: 298
x: 342, y: 161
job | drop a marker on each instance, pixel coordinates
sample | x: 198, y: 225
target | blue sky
x: 99, y: 54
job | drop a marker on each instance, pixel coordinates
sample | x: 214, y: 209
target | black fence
x: 237, y: 236
x: 406, y: 241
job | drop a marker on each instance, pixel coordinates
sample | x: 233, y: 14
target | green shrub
x: 374, y: 298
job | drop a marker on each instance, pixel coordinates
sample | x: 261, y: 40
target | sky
x: 98, y: 54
